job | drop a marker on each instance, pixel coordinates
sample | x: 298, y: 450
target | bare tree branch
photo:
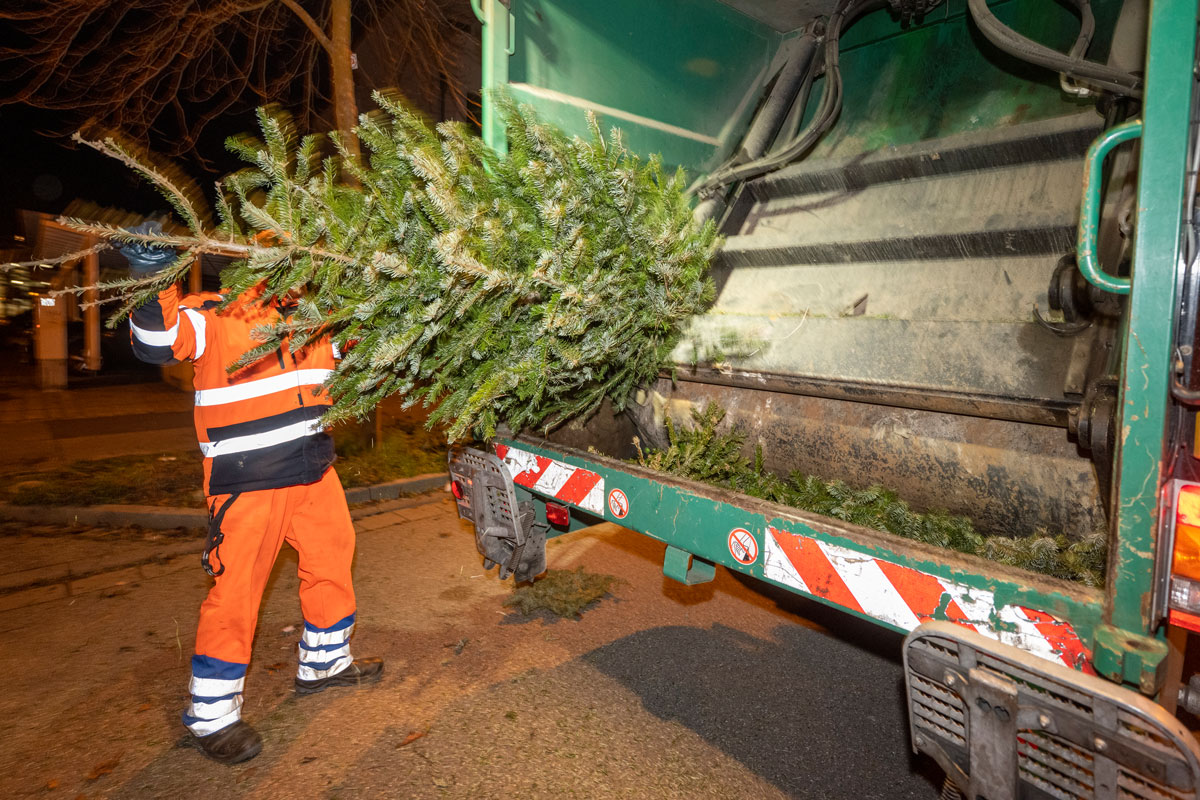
x: 311, y: 24
x: 159, y: 71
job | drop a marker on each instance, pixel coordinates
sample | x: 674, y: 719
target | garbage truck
x: 960, y: 249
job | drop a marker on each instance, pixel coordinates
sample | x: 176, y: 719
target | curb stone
x: 166, y: 518
x: 391, y: 490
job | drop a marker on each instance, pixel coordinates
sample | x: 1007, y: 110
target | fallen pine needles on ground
x: 702, y: 453
x: 564, y: 593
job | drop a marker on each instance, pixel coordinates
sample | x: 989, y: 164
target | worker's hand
x: 147, y: 259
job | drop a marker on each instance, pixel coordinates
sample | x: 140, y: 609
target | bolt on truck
x: 962, y: 237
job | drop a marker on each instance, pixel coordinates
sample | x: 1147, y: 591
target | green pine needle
x: 519, y: 289
x: 702, y: 453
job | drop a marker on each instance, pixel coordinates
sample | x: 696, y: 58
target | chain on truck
x: 936, y: 308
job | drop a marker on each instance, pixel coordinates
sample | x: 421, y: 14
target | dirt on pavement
x: 660, y: 691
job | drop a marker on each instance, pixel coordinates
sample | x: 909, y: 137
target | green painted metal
x: 679, y: 78
x: 941, y: 77
x: 1151, y: 313
x: 498, y: 32
x: 699, y: 523
x: 682, y: 566
x: 1089, y: 210
x: 1137, y: 660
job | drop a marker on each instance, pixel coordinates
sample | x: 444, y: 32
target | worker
x: 268, y: 478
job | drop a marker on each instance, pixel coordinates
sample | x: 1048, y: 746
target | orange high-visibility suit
x: 268, y: 479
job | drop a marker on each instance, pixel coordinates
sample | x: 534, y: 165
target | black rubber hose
x: 774, y: 110
x: 1073, y: 64
x: 826, y: 115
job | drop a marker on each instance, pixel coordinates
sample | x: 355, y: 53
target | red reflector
x: 457, y: 489
x: 558, y: 516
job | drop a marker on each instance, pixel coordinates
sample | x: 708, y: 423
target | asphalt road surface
x: 724, y: 690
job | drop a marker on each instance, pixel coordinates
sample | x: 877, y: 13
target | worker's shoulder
x: 204, y: 301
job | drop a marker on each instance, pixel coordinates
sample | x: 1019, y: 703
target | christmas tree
x: 519, y: 289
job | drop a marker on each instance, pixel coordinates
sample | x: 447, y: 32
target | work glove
x: 147, y: 259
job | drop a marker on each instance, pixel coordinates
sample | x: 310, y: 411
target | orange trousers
x: 313, y: 519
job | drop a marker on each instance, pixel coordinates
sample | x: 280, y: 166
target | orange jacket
x: 258, y: 427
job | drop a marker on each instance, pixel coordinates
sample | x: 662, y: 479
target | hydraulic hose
x: 771, y: 116
x: 1072, y: 64
x: 827, y: 112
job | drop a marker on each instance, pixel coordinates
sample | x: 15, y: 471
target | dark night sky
x: 41, y: 169
x: 45, y: 172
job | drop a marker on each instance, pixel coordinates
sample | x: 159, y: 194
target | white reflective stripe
x: 215, y: 710
x: 203, y: 727
x: 261, y: 387
x: 870, y: 587
x: 215, y: 687
x: 199, y: 325
x: 155, y: 338
x: 554, y: 478
x: 778, y: 567
x: 257, y: 441
x: 309, y: 674
x: 315, y: 639
x: 323, y: 656
x: 337, y: 353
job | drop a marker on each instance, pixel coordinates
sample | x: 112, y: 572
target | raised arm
x: 163, y: 330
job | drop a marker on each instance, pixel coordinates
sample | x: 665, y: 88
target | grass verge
x: 175, y: 479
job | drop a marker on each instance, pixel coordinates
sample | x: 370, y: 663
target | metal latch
x: 1005, y: 724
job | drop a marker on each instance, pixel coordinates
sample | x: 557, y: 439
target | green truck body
x: 879, y: 294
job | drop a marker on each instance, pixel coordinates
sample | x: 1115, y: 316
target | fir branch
x: 704, y: 453
x: 172, y: 184
x: 64, y: 259
x: 520, y: 289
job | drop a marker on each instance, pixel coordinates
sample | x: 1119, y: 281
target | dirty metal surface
x: 1010, y: 478
x: 1051, y: 618
x: 914, y: 270
x: 1002, y: 724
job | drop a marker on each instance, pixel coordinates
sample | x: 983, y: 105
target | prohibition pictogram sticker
x: 618, y: 503
x: 742, y: 546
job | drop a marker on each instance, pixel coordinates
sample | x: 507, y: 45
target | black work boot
x: 361, y: 671
x: 232, y: 744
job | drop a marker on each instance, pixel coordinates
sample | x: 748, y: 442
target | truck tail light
x: 557, y: 515
x: 1187, y: 532
x: 1184, y: 593
x: 456, y: 489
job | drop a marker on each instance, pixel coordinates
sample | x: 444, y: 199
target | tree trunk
x: 345, y: 107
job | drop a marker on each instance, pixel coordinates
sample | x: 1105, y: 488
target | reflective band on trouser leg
x: 323, y: 535
x: 216, y: 690
x: 325, y: 651
x: 253, y: 533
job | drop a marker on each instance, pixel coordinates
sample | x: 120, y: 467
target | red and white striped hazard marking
x: 573, y: 485
x: 903, y: 597
x: 742, y: 546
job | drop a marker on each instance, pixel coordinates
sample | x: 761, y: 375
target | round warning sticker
x: 742, y: 546
x: 618, y: 503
